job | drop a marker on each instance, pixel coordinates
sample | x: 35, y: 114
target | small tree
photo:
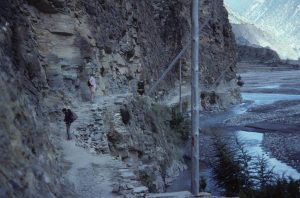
x: 282, y: 187
x: 240, y: 82
x: 263, y: 175
x: 226, y: 168
x: 247, y: 177
x: 202, y: 184
x: 244, y: 159
x: 177, y: 119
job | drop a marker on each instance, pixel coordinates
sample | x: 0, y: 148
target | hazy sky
x: 241, y: 6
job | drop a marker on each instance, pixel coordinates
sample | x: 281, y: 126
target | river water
x: 253, y: 144
x: 268, y: 98
x: 256, y: 93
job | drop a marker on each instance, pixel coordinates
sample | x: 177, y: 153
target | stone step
x: 140, y: 189
x: 182, y: 194
x: 127, y: 175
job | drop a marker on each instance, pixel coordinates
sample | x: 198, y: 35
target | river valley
x: 267, y: 122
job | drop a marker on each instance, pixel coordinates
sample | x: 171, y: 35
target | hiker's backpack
x: 74, y: 116
x: 89, y: 83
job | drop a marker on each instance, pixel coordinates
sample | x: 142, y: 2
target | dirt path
x: 92, y: 174
x: 90, y: 167
x: 173, y: 96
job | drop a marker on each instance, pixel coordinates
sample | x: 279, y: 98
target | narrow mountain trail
x: 173, y: 97
x: 90, y: 167
x: 92, y: 174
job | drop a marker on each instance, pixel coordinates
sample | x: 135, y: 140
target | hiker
x: 141, y: 87
x: 155, y: 96
x: 69, y: 118
x: 92, y: 86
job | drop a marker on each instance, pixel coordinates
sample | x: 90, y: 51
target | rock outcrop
x: 252, y: 44
x: 147, y: 136
x: 50, y: 47
x: 218, y: 55
x: 29, y: 161
x: 257, y: 54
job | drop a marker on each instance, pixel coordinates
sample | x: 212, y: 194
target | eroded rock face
x: 29, y: 162
x: 148, y: 142
x: 47, y: 6
x: 122, y: 42
x: 50, y: 47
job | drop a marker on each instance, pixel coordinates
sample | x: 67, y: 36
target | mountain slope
x: 280, y: 19
x: 248, y: 34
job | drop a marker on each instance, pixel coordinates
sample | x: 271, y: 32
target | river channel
x: 267, y: 122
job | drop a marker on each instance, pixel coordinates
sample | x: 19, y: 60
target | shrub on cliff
x: 125, y: 115
x: 180, y: 124
x: 176, y: 120
x: 147, y: 178
x: 202, y: 184
x: 240, y: 82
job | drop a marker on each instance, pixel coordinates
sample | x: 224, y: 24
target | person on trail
x: 69, y: 118
x: 141, y: 87
x: 92, y: 86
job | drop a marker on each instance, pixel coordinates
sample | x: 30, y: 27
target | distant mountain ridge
x: 248, y: 34
x: 279, y: 19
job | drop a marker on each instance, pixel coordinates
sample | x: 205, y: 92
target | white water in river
x: 253, y: 142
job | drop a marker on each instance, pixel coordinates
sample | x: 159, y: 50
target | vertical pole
x: 195, y: 97
x: 180, y: 82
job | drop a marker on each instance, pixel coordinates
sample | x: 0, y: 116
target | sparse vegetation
x: 209, y: 99
x: 202, y: 184
x: 281, y: 187
x: 227, y: 170
x: 147, y: 178
x: 247, y: 177
x: 177, y: 119
x: 125, y: 115
x: 156, y: 108
x: 240, y: 82
x: 180, y: 124
x: 213, y: 98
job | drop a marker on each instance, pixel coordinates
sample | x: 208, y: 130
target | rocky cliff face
x: 29, y: 162
x: 50, y: 47
x: 218, y: 55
